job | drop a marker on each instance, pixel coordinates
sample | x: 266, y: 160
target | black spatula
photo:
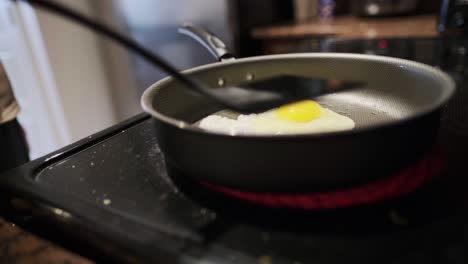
x: 258, y: 96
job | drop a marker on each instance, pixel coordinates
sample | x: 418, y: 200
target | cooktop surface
x: 111, y: 196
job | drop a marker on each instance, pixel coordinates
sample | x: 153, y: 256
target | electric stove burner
x: 403, y: 182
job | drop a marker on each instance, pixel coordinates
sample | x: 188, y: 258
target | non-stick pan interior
x: 396, y: 89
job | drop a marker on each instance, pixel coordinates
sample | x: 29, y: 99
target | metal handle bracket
x: 210, y: 41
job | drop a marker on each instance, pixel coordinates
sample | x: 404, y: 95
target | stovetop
x: 112, y: 196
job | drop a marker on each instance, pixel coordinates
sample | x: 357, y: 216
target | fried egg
x: 301, y: 117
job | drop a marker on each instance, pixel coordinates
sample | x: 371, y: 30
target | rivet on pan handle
x: 214, y: 45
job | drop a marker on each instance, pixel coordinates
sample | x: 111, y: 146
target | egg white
x: 268, y: 124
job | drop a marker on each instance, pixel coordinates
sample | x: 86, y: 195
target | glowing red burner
x: 401, y: 183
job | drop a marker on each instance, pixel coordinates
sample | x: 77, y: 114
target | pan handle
x: 214, y: 45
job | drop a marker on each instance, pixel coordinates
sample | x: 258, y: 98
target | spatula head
x: 262, y: 95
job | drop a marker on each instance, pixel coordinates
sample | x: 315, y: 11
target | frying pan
x: 396, y: 113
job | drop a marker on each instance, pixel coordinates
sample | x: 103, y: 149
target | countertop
x: 18, y: 246
x: 353, y: 27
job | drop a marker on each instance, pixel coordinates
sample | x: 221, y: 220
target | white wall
x: 79, y: 70
x: 24, y: 57
x: 120, y: 71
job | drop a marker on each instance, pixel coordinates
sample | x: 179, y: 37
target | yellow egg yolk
x: 302, y: 111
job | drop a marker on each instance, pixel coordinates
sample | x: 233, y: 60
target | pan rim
x: 447, y: 93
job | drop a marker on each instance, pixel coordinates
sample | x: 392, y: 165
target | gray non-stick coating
x: 396, y: 116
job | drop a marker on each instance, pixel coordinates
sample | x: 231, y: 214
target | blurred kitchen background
x: 71, y: 83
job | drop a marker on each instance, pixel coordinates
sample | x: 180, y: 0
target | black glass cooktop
x: 111, y: 197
